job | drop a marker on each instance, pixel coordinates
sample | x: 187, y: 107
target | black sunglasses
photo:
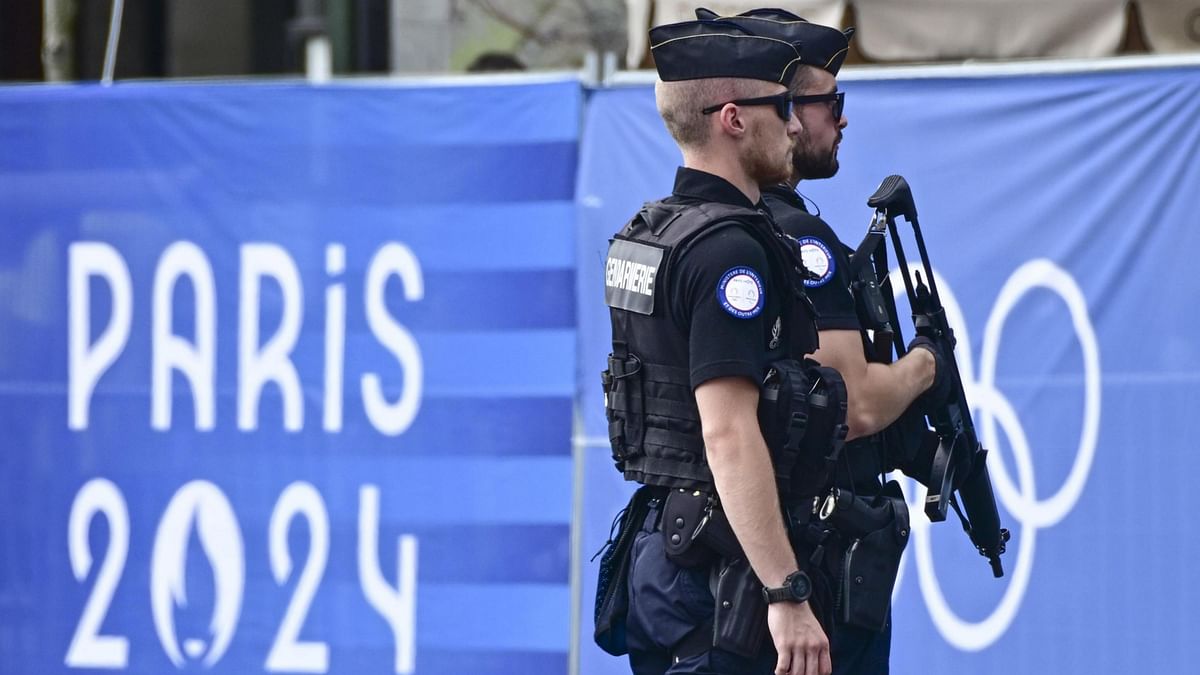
x: 783, y: 104
x: 838, y: 98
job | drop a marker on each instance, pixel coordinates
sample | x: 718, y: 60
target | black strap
x: 620, y: 349
x: 657, y: 372
x: 870, y: 245
x: 656, y: 406
x: 889, y: 299
x: 655, y: 471
x: 673, y: 439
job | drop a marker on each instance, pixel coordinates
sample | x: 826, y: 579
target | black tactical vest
x: 654, y: 425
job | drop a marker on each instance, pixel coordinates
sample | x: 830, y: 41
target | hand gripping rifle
x: 959, y: 464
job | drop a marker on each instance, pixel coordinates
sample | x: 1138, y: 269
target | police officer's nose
x: 794, y: 127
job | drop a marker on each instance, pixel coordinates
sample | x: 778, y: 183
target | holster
x: 740, y: 618
x: 612, y: 584
x: 876, y: 532
x: 696, y: 532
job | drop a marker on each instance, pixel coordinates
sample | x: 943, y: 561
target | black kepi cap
x: 820, y: 46
x: 696, y: 50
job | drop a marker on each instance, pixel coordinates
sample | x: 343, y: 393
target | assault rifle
x: 958, y: 470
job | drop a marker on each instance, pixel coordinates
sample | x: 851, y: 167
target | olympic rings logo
x: 993, y: 413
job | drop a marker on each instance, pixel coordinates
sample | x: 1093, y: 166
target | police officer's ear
x: 731, y: 120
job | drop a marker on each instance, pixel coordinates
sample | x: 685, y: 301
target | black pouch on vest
x: 612, y: 584
x: 624, y: 407
x: 740, y: 619
x: 871, y: 563
x: 802, y: 413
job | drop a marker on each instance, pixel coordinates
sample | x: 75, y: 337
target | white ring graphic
x: 967, y: 635
x: 1024, y: 505
x: 992, y: 407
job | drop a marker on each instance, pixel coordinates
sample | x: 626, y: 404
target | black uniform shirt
x: 713, y: 289
x: 824, y: 256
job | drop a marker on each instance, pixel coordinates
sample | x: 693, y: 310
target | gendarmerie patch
x: 629, y: 276
x: 740, y: 292
x: 818, y: 260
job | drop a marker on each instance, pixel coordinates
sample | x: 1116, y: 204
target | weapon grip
x: 895, y: 197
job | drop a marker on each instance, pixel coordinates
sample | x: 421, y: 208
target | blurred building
x: 908, y: 31
x: 65, y: 39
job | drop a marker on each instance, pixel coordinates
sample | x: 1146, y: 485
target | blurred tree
x: 541, y: 33
x: 58, y: 40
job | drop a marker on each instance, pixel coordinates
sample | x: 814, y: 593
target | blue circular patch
x: 818, y: 260
x: 741, y: 292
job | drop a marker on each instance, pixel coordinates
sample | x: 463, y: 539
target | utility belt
x: 850, y: 546
x: 695, y: 533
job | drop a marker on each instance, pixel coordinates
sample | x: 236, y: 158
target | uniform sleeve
x: 721, y: 298
x: 825, y: 257
x: 832, y: 299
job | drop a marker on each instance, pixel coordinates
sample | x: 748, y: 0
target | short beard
x: 763, y: 166
x: 809, y: 164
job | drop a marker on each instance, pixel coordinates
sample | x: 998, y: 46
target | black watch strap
x: 797, y: 587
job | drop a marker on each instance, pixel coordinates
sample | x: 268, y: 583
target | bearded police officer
x: 878, y: 393
x: 710, y: 327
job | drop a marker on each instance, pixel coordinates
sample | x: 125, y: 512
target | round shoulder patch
x: 818, y: 260
x: 740, y: 292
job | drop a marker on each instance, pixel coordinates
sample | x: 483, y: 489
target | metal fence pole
x: 114, y: 37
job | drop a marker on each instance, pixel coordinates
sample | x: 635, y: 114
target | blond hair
x: 680, y: 103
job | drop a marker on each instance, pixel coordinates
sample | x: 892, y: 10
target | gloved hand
x: 942, y: 390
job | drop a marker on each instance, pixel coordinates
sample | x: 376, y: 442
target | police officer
x: 704, y: 294
x: 878, y: 393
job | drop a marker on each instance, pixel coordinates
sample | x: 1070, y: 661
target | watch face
x: 801, y: 586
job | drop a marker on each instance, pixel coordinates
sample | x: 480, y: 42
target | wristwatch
x: 797, y: 587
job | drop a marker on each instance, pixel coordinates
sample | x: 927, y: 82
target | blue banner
x: 279, y: 366
x: 289, y: 376
x: 1057, y: 211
